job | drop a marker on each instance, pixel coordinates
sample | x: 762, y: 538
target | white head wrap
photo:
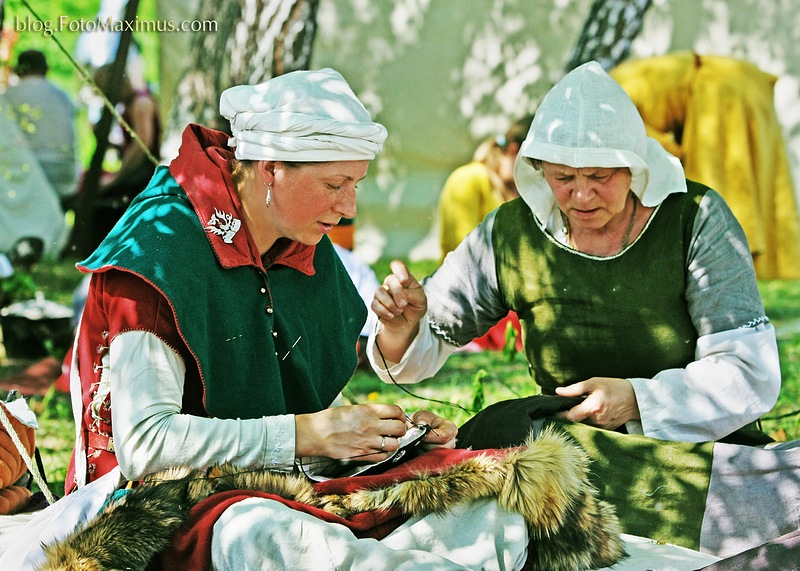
x: 587, y: 120
x: 304, y: 116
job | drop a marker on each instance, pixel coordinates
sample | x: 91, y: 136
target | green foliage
x: 57, y: 279
x: 19, y: 286
x: 478, y: 391
x: 783, y: 422
x: 51, y: 406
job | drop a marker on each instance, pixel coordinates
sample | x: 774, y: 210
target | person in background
x: 46, y: 117
x: 118, y: 188
x: 478, y: 187
x: 470, y: 193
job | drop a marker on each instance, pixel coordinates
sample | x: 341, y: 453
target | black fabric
x: 749, y: 435
x: 508, y: 423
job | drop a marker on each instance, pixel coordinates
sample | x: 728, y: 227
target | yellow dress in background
x: 717, y: 115
x: 466, y: 198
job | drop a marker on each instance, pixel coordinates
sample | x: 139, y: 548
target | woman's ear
x: 266, y: 169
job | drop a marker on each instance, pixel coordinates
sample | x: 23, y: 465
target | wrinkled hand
x: 350, y: 432
x: 442, y: 434
x: 400, y: 302
x: 609, y: 402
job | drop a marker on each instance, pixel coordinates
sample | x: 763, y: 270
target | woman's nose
x: 582, y: 188
x: 347, y: 205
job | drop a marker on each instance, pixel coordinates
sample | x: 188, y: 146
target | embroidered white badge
x: 224, y: 224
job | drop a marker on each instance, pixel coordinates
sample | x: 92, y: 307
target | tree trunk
x: 80, y: 239
x: 608, y: 32
x: 254, y: 40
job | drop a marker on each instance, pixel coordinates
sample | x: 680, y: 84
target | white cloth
x: 587, y: 120
x: 258, y: 533
x: 301, y: 116
x: 649, y: 554
x: 21, y: 546
x: 753, y: 496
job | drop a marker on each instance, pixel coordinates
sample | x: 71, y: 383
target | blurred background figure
x: 478, y: 187
x: 97, y: 48
x: 717, y: 114
x: 366, y: 283
x: 46, y: 117
x: 139, y: 108
x: 470, y: 193
x: 32, y: 223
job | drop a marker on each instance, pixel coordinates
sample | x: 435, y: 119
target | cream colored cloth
x: 587, y: 120
x: 305, y: 116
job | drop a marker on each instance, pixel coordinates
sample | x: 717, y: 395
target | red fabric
x: 117, y: 302
x: 191, y: 547
x: 202, y: 170
x: 495, y: 338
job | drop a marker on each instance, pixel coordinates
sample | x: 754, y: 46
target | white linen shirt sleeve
x: 423, y: 358
x: 151, y: 434
x: 735, y: 377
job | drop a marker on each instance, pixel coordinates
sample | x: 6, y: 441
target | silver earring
x: 268, y: 201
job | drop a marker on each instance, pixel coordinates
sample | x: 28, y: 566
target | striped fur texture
x: 546, y: 481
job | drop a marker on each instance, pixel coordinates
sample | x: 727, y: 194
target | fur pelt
x: 545, y: 481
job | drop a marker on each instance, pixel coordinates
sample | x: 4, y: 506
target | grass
x: 466, y: 383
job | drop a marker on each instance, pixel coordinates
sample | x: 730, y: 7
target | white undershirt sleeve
x: 729, y: 384
x: 423, y: 358
x: 735, y: 377
x: 151, y: 434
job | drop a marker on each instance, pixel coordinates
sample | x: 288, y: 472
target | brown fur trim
x: 546, y: 481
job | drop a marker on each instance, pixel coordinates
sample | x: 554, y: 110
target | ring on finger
x: 383, y: 442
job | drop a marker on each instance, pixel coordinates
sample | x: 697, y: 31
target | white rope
x: 6, y: 422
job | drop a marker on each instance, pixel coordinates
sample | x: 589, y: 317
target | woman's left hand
x: 443, y: 432
x: 609, y: 402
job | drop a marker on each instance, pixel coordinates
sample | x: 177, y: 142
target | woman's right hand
x: 400, y: 303
x: 363, y: 432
